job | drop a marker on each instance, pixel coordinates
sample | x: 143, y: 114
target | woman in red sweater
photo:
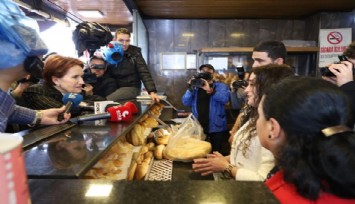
x: 305, y: 123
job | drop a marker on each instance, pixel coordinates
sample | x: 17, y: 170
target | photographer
x: 207, y: 99
x: 342, y: 73
x: 103, y: 85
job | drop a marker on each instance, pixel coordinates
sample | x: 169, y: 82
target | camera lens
x: 116, y: 56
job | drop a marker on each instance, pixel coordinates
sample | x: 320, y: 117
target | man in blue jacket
x: 207, y: 99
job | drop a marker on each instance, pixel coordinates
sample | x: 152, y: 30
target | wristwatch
x: 229, y: 169
x: 37, y: 120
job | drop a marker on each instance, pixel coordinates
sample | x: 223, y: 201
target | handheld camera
x: 325, y: 70
x: 198, y: 82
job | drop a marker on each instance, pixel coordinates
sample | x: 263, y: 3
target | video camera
x: 89, y: 77
x: 32, y: 79
x: 240, y: 72
x: 197, y: 82
x: 241, y: 83
x: 325, y: 70
x: 90, y: 36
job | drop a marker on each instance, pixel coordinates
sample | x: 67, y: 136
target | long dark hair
x: 311, y: 161
x: 265, y: 76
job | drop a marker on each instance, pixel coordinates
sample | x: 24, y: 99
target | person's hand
x: 189, y: 81
x: 206, y: 86
x: 50, y: 116
x: 213, y: 163
x: 154, y: 97
x: 343, y: 73
x: 89, y: 89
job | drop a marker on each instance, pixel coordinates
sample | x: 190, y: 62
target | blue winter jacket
x: 217, y: 115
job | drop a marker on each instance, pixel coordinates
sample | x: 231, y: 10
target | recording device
x: 325, y: 70
x: 90, y: 36
x: 197, y: 82
x: 113, y: 52
x: 89, y: 77
x: 116, y: 113
x: 34, y: 65
x: 241, y: 83
x: 70, y: 100
x: 240, y: 72
x: 31, y: 80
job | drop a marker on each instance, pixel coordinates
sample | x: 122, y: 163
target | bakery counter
x: 93, y: 191
x: 72, y: 151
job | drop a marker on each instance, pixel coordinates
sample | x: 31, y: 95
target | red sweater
x: 287, y: 194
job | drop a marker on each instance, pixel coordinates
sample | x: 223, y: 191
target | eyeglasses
x: 97, y: 66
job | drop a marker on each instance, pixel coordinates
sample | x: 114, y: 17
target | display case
x: 302, y: 59
x: 51, y: 181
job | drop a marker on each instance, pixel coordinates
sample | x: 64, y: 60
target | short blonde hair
x: 123, y: 31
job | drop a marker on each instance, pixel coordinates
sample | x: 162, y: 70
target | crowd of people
x: 283, y: 134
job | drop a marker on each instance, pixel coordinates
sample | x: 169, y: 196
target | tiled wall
x: 166, y: 36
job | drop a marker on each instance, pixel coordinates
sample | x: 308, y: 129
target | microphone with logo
x: 116, y: 113
x: 70, y: 100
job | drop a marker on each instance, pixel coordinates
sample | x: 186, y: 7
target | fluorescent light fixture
x: 237, y: 35
x: 91, y: 13
x: 99, y: 190
x: 188, y: 35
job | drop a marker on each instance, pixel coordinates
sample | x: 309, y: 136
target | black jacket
x: 104, y: 86
x: 349, y: 89
x: 132, y: 70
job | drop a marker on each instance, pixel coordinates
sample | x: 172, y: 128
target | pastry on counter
x: 158, y: 152
x: 136, y: 135
x: 162, y: 136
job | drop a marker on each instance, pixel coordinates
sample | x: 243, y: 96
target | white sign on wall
x: 332, y: 42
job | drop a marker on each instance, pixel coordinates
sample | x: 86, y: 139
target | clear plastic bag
x: 190, y: 127
x: 188, y: 142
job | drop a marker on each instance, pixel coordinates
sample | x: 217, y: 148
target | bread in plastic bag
x: 188, y: 142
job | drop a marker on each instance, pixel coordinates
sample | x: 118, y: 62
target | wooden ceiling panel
x: 116, y: 12
x: 242, y: 9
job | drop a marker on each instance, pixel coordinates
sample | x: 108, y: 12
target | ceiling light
x: 237, y: 35
x: 188, y: 35
x: 91, y: 13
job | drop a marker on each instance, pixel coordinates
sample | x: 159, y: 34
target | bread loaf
x: 187, y: 149
x: 151, y: 146
x: 141, y: 171
x: 162, y: 136
x: 137, y: 135
x: 158, y: 152
x: 131, y: 170
x: 142, y: 168
x: 150, y: 123
x: 132, y: 167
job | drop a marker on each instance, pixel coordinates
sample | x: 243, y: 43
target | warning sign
x: 334, y: 37
x: 332, y: 42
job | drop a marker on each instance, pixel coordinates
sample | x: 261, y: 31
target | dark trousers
x: 219, y: 142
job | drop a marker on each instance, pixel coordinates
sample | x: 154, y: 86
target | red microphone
x: 116, y: 113
x: 132, y: 106
x: 119, y: 113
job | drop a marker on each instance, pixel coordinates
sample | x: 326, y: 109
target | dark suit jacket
x: 40, y: 96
